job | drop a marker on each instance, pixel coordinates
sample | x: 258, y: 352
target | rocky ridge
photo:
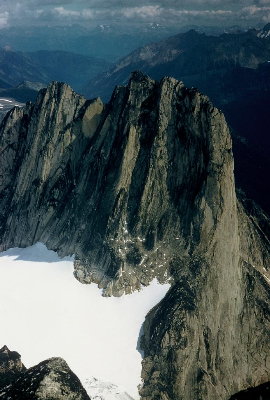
x: 11, y: 366
x: 208, y: 62
x: 51, y: 380
x: 265, y: 32
x: 139, y: 188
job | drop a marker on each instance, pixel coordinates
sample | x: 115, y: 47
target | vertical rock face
x: 122, y: 186
x: 140, y: 188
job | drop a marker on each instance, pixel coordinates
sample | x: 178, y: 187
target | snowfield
x: 46, y: 312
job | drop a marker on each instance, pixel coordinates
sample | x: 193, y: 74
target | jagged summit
x: 4, y: 349
x: 138, y: 76
x: 5, y: 353
x: 51, y: 379
x: 264, y: 33
x: 11, y: 366
x: 141, y: 188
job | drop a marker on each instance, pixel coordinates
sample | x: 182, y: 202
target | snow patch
x: 98, y: 390
x: 7, y: 100
x: 46, y: 313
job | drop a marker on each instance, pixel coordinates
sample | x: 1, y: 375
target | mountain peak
x: 139, y: 77
x: 5, y: 354
x: 11, y: 366
x: 264, y: 33
x: 50, y: 379
x: 266, y: 27
x: 4, y: 349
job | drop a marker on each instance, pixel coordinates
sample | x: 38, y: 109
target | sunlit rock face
x: 123, y: 186
x: 140, y: 188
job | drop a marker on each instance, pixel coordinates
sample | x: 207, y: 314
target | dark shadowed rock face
x: 140, y: 188
x: 50, y: 380
x: 11, y: 366
x: 261, y: 392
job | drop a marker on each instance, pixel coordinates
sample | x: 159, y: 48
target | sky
x: 95, y: 12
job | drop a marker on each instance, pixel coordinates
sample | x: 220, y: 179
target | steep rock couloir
x: 140, y: 188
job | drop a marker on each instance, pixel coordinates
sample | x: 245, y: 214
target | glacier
x: 46, y: 312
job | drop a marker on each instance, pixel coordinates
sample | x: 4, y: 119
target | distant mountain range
x: 234, y: 71
x: 16, y: 67
x: 105, y: 41
x: 64, y: 66
x: 46, y: 66
x: 196, y: 58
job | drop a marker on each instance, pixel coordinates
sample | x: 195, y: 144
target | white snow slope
x: 99, y: 390
x: 46, y: 312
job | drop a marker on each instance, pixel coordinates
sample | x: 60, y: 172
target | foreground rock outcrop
x: 11, y: 366
x: 140, y: 188
x: 50, y: 380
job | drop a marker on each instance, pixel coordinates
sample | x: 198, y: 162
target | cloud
x: 112, y: 4
x: 4, y: 19
x: 66, y: 13
x: 71, y: 14
x: 196, y: 13
x: 254, y: 9
x: 254, y: 12
x: 95, y: 12
x: 262, y: 2
x: 142, y: 12
x: 171, y: 14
